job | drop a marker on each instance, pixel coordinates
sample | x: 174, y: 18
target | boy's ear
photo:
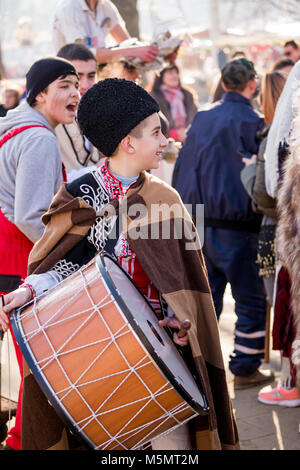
x: 40, y: 97
x: 127, y: 144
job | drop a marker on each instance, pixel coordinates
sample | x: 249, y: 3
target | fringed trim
x: 266, y: 256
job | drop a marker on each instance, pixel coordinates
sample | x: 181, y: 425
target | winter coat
x: 208, y: 167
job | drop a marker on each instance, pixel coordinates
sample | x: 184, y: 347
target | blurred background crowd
x: 211, y: 31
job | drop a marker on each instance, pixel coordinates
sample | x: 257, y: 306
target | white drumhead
x: 147, y: 322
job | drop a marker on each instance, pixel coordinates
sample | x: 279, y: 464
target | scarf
x: 175, y: 97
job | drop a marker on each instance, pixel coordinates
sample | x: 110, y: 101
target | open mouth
x: 72, y: 108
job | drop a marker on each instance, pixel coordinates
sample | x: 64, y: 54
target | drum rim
x: 161, y: 365
x: 43, y: 382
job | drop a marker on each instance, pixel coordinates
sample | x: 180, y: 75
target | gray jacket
x: 253, y: 179
x: 30, y: 170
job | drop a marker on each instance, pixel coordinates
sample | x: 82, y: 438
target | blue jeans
x: 231, y: 258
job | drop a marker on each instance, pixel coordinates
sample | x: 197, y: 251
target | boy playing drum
x: 158, y: 246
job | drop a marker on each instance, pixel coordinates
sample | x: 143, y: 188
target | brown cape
x: 180, y: 276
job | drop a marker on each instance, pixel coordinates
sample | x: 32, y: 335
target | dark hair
x: 282, y: 63
x: 75, y: 51
x: 159, y: 78
x: 238, y: 54
x: 237, y: 73
x: 45, y: 90
x: 291, y: 43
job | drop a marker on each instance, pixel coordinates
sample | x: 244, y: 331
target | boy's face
x: 149, y: 147
x: 87, y: 74
x: 59, y: 103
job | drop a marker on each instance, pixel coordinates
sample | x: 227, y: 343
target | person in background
x: 78, y: 154
x: 288, y: 248
x: 253, y: 177
x: 283, y: 65
x: 119, y: 69
x: 11, y: 100
x: 280, y: 176
x: 176, y: 102
x: 291, y: 50
x: 89, y: 22
x: 207, y: 171
x: 30, y: 174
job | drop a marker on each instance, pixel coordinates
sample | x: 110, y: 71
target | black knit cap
x: 109, y: 111
x: 237, y: 73
x: 45, y: 71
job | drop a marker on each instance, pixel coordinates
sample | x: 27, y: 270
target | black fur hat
x: 111, y: 109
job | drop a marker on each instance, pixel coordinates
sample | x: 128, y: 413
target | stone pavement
x: 260, y: 427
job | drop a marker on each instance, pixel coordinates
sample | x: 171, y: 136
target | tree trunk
x: 129, y: 12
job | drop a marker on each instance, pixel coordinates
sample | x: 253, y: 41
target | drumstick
x: 184, y: 327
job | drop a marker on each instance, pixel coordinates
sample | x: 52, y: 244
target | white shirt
x: 73, y: 20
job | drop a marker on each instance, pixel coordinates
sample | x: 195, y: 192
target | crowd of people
x: 86, y: 135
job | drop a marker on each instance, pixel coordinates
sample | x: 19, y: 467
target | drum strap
x: 17, y: 131
x: 113, y: 238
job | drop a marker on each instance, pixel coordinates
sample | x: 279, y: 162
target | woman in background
x: 176, y: 102
x: 253, y: 176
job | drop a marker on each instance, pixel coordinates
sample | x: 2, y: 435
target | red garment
x: 128, y: 260
x: 283, y: 332
x: 134, y: 269
x: 14, y: 251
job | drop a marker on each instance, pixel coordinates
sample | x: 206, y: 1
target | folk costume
x: 280, y: 169
x: 184, y: 288
x: 287, y: 240
x: 79, y: 224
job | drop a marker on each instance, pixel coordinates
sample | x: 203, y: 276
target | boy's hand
x: 14, y: 299
x: 173, y: 322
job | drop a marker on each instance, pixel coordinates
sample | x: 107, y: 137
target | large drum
x: 110, y: 371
